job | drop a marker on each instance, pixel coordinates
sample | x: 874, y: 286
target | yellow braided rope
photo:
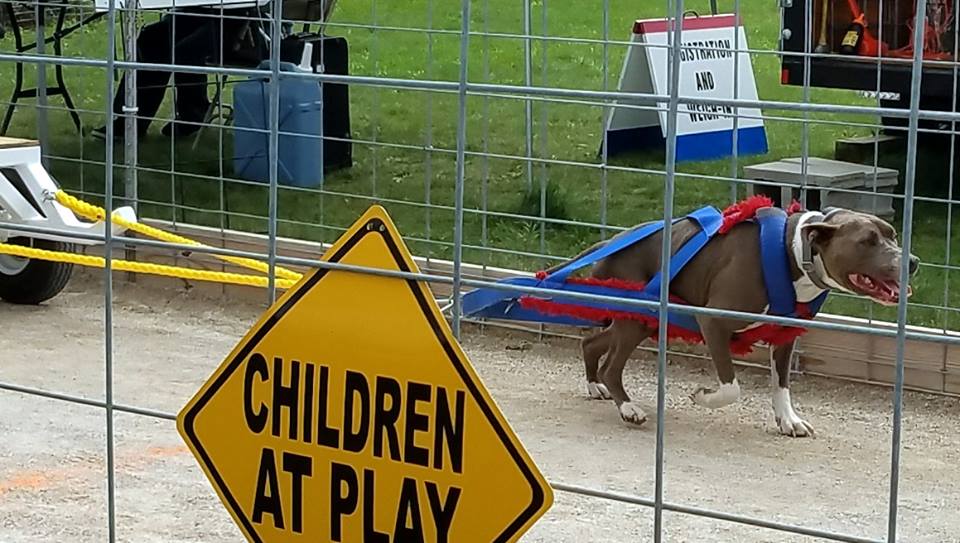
x: 143, y: 267
x: 96, y: 213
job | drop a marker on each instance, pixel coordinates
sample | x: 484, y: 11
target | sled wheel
x: 29, y: 281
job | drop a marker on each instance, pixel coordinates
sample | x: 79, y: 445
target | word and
x: 705, y: 81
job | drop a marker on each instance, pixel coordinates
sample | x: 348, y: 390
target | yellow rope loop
x: 96, y: 213
x: 143, y: 267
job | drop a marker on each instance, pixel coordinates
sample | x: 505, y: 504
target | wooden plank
x: 14, y: 143
x: 951, y: 370
x: 863, y: 149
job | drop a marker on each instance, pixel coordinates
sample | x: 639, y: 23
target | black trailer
x: 852, y: 42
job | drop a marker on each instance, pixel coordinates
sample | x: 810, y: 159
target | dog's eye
x: 870, y: 240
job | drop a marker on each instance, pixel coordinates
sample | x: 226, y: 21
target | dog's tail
x: 589, y: 249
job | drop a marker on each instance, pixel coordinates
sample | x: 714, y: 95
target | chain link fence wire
x: 482, y: 127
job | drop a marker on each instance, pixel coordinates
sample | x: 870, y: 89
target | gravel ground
x: 52, y: 468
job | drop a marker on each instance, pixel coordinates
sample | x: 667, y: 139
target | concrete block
x: 878, y: 203
x: 885, y: 177
x: 874, y: 186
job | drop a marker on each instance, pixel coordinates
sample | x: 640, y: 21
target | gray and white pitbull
x: 841, y: 250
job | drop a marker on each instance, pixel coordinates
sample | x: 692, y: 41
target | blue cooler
x: 300, y: 147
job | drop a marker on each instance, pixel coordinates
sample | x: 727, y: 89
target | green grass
x: 197, y: 186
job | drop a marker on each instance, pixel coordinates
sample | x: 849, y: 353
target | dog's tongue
x: 890, y: 290
x: 886, y: 292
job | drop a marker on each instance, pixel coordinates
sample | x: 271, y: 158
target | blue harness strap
x: 704, y: 216
x: 504, y: 303
x: 775, y: 262
x: 683, y: 320
x: 710, y: 221
x: 615, y: 245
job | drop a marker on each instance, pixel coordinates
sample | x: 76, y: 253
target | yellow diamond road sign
x: 349, y: 413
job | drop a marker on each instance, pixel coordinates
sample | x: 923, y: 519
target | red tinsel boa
x: 741, y: 344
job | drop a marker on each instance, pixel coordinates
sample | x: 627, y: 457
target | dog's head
x: 859, y: 253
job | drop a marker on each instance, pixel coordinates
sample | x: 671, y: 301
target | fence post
x: 676, y: 35
x: 916, y: 75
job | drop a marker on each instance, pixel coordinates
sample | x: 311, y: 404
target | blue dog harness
x: 775, y: 258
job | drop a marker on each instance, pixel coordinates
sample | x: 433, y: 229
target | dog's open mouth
x: 885, y: 292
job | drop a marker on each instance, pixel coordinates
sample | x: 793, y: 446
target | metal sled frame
x: 27, y: 198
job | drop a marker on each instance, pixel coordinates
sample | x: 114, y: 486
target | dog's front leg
x: 789, y: 423
x: 717, y: 336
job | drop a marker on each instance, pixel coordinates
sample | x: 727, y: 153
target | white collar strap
x: 815, y: 279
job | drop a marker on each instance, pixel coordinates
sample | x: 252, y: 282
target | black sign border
x: 374, y: 226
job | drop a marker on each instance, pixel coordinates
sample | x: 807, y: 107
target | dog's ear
x: 819, y: 234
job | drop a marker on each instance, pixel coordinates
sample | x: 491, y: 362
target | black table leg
x: 60, y: 89
x: 18, y: 77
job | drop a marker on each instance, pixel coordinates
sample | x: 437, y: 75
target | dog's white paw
x: 598, y: 391
x: 631, y: 413
x: 727, y: 394
x: 795, y: 427
x: 788, y: 422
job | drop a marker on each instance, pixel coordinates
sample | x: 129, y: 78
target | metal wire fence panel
x: 489, y: 129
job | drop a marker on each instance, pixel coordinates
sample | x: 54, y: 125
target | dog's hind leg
x: 593, y: 347
x: 717, y: 335
x: 624, y: 338
x: 788, y: 422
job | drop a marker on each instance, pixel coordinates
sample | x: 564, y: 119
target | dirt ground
x: 52, y: 474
